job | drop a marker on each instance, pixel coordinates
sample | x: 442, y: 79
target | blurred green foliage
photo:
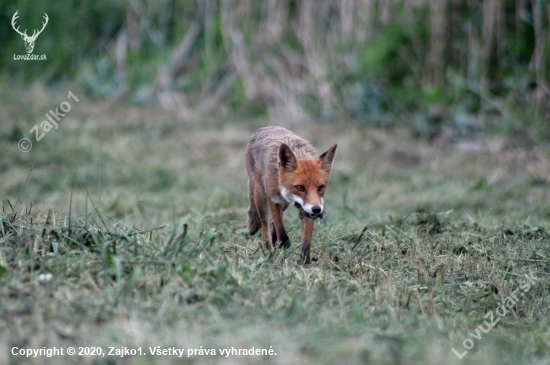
x: 294, y: 58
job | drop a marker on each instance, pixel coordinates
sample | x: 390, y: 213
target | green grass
x: 154, y: 254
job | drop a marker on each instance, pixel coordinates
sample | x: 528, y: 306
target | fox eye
x: 300, y: 188
x: 321, y: 188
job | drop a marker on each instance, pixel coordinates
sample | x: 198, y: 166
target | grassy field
x: 125, y: 228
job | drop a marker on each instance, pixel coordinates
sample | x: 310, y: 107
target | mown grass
x: 154, y: 252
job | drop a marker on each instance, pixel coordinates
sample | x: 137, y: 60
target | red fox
x: 283, y: 169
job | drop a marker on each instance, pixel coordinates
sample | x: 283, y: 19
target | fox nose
x: 316, y: 209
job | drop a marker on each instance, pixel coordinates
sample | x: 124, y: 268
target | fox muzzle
x: 304, y: 214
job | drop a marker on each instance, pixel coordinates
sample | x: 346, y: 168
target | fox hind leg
x: 259, y: 216
x: 254, y: 222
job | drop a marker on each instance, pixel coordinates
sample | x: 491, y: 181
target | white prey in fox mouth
x: 306, y: 210
x: 303, y: 213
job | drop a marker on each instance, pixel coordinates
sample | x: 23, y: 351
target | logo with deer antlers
x: 29, y: 40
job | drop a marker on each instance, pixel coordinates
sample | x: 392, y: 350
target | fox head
x: 303, y: 181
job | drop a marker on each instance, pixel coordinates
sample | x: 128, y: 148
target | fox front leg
x: 307, y: 235
x: 278, y: 226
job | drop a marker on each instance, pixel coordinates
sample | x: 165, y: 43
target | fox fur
x: 283, y: 169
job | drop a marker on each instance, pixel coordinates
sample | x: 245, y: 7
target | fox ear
x: 287, y: 159
x: 327, y: 158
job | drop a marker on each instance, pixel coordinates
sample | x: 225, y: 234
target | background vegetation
x: 125, y: 226
x: 471, y: 65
